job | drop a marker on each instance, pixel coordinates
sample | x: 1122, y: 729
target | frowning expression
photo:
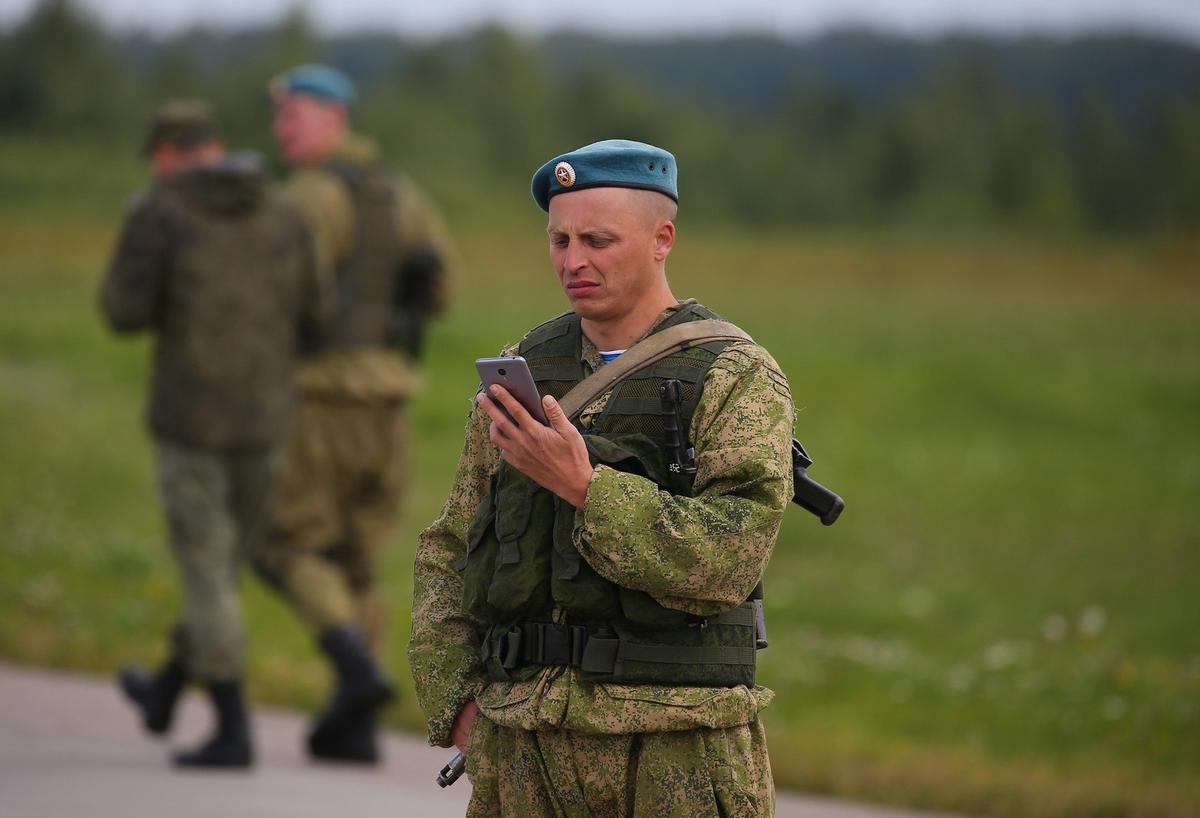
x: 606, y: 247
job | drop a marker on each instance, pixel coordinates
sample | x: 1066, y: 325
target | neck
x: 623, y: 331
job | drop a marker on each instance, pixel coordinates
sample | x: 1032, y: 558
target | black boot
x: 361, y: 689
x: 229, y: 746
x: 155, y: 694
x: 357, y: 743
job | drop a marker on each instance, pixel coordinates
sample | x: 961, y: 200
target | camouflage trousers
x: 215, y: 505
x: 336, y: 505
x: 701, y: 773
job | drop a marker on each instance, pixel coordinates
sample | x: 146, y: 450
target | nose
x: 574, y: 258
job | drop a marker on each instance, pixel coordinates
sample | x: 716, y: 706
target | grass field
x: 1006, y: 621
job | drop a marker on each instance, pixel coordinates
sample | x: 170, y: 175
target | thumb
x: 555, y: 414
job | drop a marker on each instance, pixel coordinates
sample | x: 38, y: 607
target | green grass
x: 1004, y: 621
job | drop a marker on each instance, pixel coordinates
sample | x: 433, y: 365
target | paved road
x: 70, y: 748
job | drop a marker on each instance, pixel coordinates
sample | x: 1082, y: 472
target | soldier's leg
x: 508, y: 776
x: 549, y: 773
x: 705, y: 773
x: 156, y: 694
x: 254, y: 475
x: 305, y: 522
x: 198, y: 489
x: 373, y: 512
x: 371, y: 447
x: 304, y: 556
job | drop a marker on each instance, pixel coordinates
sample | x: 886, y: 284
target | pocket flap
x: 514, y: 503
x: 505, y: 694
x: 671, y: 696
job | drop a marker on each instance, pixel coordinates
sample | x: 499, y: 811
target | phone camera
x: 502, y: 372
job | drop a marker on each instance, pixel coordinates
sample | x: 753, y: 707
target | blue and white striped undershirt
x: 611, y: 356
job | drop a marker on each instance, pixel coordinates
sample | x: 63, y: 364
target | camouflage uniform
x: 220, y: 270
x: 651, y: 750
x: 343, y: 466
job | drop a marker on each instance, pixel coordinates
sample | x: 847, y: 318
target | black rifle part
x: 415, y: 296
x: 811, y: 495
x: 681, y: 457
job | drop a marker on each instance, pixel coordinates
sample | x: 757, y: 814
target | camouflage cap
x: 184, y: 123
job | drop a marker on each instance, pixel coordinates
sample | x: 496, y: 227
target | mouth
x: 575, y: 288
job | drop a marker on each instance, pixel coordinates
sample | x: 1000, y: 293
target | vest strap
x: 650, y: 349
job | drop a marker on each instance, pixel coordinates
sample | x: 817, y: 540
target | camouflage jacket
x: 702, y: 554
x: 220, y: 269
x: 328, y: 206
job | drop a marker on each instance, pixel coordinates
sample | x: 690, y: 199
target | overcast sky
x: 658, y: 17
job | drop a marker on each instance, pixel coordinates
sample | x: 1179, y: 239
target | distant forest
x: 854, y: 127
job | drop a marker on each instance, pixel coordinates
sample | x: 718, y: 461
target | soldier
x: 382, y: 244
x: 220, y: 270
x: 580, y: 624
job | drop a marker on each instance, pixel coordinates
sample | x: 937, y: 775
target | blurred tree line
x: 851, y: 128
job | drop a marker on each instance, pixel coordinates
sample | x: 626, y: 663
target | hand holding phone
x: 512, y: 372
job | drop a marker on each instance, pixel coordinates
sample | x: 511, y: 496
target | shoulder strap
x: 645, y: 352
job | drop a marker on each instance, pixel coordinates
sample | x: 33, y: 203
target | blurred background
x: 971, y: 238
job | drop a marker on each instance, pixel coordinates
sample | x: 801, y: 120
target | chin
x: 588, y: 308
x: 593, y: 314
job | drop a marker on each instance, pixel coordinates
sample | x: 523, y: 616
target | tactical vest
x: 369, y: 278
x: 521, y: 562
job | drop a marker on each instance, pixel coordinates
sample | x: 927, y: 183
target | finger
x: 499, y: 419
x: 513, y: 406
x: 556, y: 416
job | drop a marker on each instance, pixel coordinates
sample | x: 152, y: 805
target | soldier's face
x: 307, y: 129
x: 166, y: 160
x: 608, y: 246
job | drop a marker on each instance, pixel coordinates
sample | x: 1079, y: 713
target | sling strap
x: 644, y: 353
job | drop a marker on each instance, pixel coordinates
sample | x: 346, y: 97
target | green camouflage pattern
x: 335, y: 507
x: 342, y: 477
x: 220, y: 270
x: 702, y: 773
x: 364, y: 373
x: 702, y: 554
x: 215, y: 505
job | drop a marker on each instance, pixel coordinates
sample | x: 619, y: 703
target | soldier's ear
x: 664, y: 239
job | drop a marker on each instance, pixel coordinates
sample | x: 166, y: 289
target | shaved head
x: 653, y: 206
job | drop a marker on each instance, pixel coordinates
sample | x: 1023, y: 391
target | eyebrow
x: 589, y: 232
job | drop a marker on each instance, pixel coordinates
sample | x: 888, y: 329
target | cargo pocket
x: 524, y: 529
x: 511, y: 704
x: 478, y: 564
x: 484, y: 518
x: 704, y: 774
x: 739, y: 770
x: 657, y: 708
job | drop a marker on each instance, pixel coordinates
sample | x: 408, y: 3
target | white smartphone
x: 512, y: 372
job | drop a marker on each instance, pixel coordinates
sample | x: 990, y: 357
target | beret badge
x: 565, y: 174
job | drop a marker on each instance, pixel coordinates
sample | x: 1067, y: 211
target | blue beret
x: 321, y: 81
x: 611, y: 163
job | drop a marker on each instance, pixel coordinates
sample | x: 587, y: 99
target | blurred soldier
x: 383, y: 247
x: 220, y: 270
x: 580, y: 618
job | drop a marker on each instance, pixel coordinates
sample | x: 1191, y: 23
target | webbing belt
x: 598, y: 649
